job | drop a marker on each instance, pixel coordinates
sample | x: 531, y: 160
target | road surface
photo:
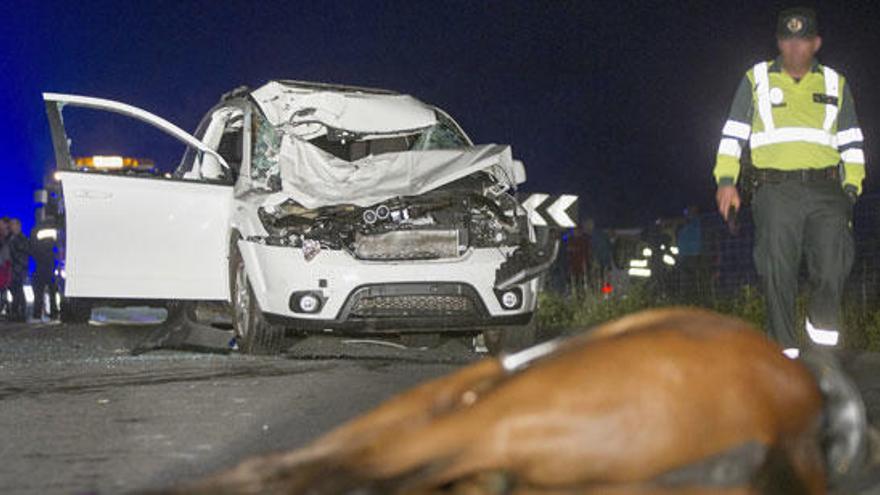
x: 78, y: 414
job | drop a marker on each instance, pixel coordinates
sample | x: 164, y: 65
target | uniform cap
x: 797, y: 22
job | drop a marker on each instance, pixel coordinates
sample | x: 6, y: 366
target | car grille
x: 414, y: 305
x: 408, y: 245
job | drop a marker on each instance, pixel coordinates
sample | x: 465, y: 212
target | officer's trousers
x: 17, y: 309
x: 795, y: 220
x: 44, y: 283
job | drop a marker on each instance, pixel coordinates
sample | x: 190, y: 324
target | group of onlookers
x: 16, y: 250
x: 14, y: 254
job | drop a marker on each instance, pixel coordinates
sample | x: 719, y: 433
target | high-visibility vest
x: 791, y: 125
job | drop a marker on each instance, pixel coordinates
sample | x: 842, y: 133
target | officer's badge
x: 776, y: 96
x: 794, y: 25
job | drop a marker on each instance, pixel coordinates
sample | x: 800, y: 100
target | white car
x: 311, y: 207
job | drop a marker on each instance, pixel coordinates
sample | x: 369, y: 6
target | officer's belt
x: 772, y: 175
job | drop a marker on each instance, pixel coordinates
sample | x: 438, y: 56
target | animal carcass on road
x: 664, y: 401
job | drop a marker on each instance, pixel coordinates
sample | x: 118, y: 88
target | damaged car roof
x: 314, y: 177
x: 358, y: 110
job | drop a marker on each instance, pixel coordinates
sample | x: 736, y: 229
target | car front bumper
x: 362, y: 295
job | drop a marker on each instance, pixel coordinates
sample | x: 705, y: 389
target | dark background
x: 619, y: 102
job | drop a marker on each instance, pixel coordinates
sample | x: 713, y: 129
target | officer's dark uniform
x: 19, y: 251
x: 43, y: 240
x: 806, y: 147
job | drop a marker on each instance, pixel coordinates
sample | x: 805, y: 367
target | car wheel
x: 511, y: 339
x: 75, y: 310
x: 255, y: 334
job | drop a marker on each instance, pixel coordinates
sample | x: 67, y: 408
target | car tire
x: 511, y: 339
x: 75, y: 310
x: 255, y: 334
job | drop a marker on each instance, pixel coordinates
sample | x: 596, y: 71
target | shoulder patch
x: 825, y: 99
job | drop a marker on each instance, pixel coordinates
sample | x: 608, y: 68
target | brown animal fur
x: 608, y: 413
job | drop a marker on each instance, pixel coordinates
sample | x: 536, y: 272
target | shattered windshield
x: 266, y: 147
x: 351, y: 147
x: 444, y: 135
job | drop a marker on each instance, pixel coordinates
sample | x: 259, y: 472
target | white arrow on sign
x: 531, y: 205
x: 557, y: 211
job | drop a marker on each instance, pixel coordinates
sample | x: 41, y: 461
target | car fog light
x: 510, y: 299
x: 306, y: 302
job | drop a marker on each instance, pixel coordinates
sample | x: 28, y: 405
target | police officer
x: 799, y: 120
x: 43, y: 241
x: 19, y: 251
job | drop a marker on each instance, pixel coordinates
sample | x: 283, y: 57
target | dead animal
x: 665, y: 401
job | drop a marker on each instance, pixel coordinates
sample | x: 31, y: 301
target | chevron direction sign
x: 547, y: 210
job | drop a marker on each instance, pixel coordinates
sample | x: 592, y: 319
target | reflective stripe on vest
x: 793, y: 134
x: 730, y: 147
x: 772, y: 135
x: 762, y: 90
x: 832, y: 88
x: 739, y: 130
x: 848, y: 136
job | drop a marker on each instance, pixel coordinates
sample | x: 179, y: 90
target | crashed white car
x: 311, y: 207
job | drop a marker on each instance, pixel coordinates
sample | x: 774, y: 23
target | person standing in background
x: 20, y: 253
x: 691, y: 271
x: 5, y: 268
x: 43, y: 240
x: 578, y: 256
x: 601, y: 256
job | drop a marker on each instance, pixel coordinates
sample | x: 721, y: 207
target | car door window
x: 187, y: 163
x: 221, y: 131
x: 120, y: 137
x: 231, y: 146
x: 107, y: 143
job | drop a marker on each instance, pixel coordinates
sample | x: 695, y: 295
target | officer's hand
x: 851, y: 193
x: 726, y: 197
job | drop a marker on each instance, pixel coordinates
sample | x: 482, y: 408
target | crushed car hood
x: 314, y: 178
x: 360, y: 112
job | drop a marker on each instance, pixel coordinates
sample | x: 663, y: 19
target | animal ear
x: 846, y: 434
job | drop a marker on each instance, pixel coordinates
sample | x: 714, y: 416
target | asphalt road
x: 79, y: 414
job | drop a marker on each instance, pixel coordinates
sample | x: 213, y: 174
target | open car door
x: 140, y: 237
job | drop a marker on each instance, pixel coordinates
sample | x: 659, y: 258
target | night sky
x: 619, y: 102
